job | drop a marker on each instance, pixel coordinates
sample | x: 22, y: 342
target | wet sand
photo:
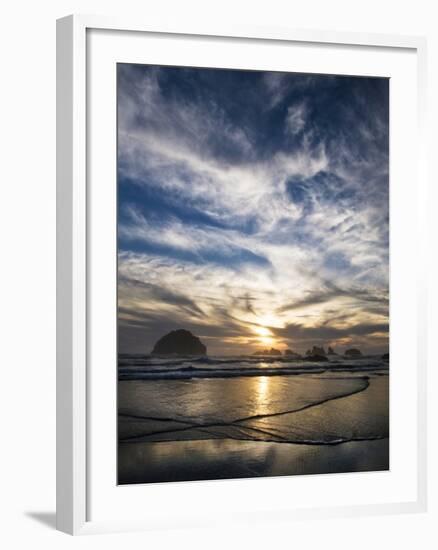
x: 249, y: 427
x: 225, y: 458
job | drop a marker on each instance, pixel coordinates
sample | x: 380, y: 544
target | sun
x: 262, y: 331
x: 265, y: 335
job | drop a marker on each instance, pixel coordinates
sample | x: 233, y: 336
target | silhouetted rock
x: 353, y: 353
x: 315, y: 358
x: 292, y: 354
x: 271, y: 351
x: 316, y: 351
x: 385, y: 356
x: 179, y: 342
x: 331, y: 351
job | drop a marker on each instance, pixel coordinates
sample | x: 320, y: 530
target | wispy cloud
x: 295, y: 121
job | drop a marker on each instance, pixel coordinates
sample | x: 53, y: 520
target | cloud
x: 142, y: 290
x: 295, y: 120
x: 358, y: 296
x: 374, y: 336
x: 230, y: 193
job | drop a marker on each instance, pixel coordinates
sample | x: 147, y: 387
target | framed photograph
x: 241, y: 320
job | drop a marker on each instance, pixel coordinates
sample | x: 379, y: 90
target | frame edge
x: 423, y: 193
x: 71, y: 387
x: 70, y: 276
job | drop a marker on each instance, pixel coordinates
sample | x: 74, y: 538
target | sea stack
x: 316, y: 354
x: 316, y: 350
x: 353, y: 353
x: 179, y: 342
x: 292, y: 354
x: 271, y: 351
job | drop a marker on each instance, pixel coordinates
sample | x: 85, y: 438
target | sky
x: 252, y: 209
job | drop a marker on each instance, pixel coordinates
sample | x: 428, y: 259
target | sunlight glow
x: 262, y: 331
x: 265, y: 336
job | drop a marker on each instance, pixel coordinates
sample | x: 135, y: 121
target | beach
x: 219, y: 418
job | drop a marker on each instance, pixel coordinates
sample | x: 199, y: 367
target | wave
x: 148, y: 367
x: 125, y: 359
x: 189, y: 372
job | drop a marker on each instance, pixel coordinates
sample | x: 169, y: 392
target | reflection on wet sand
x: 228, y: 399
x: 261, y: 392
x: 225, y: 458
x: 255, y: 426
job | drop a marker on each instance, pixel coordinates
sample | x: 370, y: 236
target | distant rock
x: 292, y: 354
x: 179, y: 342
x: 353, y: 353
x: 385, y: 356
x: 271, y: 351
x: 331, y: 351
x: 316, y: 351
x: 315, y: 357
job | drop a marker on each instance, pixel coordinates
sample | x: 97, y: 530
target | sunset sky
x: 253, y: 209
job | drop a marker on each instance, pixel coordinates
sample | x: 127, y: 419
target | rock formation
x: 179, y: 342
x: 292, y: 354
x: 315, y: 357
x: 316, y: 351
x: 353, y: 353
x: 316, y: 354
x: 271, y: 351
x: 331, y: 351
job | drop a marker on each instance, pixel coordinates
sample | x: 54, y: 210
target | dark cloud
x: 160, y: 294
x: 139, y: 329
x: 331, y: 291
x: 325, y: 332
x: 374, y: 336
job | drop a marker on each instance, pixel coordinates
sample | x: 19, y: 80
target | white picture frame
x: 74, y: 397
